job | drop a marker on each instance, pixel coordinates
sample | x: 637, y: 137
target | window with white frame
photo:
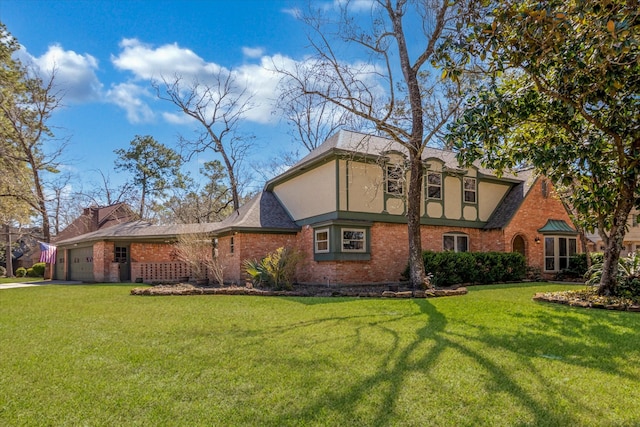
x: 353, y: 240
x: 232, y: 245
x: 322, y: 240
x: 470, y: 190
x: 558, y: 250
x: 434, y: 185
x: 455, y: 242
x: 395, y: 179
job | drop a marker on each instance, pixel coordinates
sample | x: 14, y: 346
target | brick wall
x: 152, y: 252
x: 103, y: 253
x: 248, y: 246
x: 533, y: 215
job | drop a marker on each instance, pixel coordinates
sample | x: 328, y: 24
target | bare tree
x: 218, y: 106
x: 311, y: 118
x: 394, y: 88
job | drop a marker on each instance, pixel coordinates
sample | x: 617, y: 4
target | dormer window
x: 395, y: 180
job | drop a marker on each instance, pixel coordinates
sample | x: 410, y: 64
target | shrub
x: 200, y: 255
x: 38, y: 269
x: 628, y: 278
x: 578, y: 265
x: 277, y: 269
x: 3, y: 271
x: 451, y: 268
x: 21, y: 272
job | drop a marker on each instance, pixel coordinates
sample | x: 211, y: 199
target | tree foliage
x: 195, y: 203
x: 562, y: 95
x: 28, y: 150
x: 155, y: 168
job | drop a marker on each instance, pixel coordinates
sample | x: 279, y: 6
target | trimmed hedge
x: 453, y: 268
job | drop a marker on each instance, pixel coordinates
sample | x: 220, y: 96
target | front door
x: 121, y: 256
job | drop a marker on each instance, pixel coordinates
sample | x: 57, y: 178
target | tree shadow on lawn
x: 393, y: 372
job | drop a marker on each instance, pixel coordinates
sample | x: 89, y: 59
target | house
x: 96, y: 218
x: 631, y: 241
x: 343, y: 206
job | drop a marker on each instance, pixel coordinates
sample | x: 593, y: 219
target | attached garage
x: 81, y: 264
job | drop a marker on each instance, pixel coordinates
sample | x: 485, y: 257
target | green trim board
x: 335, y: 231
x: 387, y: 218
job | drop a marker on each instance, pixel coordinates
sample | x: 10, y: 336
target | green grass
x: 94, y: 355
x: 19, y: 279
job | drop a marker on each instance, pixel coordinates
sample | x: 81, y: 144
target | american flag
x: 47, y: 253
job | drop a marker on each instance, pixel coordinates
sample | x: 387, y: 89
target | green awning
x: 557, y: 226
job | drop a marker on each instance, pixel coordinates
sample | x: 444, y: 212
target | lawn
x: 94, y: 355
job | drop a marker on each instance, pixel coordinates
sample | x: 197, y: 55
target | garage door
x: 81, y: 264
x: 60, y: 265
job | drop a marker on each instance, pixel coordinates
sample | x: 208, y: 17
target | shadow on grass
x: 553, y: 330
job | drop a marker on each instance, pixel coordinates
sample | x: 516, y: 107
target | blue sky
x: 107, y: 52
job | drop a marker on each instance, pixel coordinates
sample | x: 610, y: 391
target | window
x: 558, y: 251
x: 353, y: 240
x: 434, y: 185
x: 322, y: 240
x: 395, y: 179
x: 231, y: 245
x: 120, y: 254
x: 470, y: 190
x: 635, y: 220
x: 455, y: 242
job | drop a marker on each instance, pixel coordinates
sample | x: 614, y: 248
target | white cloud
x: 355, y: 5
x: 177, y: 119
x: 149, y: 63
x: 252, y: 52
x: 74, y: 73
x: 130, y: 97
x: 294, y: 12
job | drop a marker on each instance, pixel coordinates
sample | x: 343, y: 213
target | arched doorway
x: 518, y: 245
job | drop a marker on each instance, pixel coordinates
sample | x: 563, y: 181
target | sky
x: 106, y: 54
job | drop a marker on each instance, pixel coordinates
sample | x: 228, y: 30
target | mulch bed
x: 588, y: 299
x: 299, y: 291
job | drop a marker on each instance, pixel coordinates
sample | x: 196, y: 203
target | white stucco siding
x: 489, y: 195
x: 311, y: 193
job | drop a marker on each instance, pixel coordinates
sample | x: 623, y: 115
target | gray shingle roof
x: 141, y: 230
x: 263, y: 211
x: 360, y: 143
x: 512, y: 201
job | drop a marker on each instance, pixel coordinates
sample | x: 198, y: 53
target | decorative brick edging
x: 194, y: 290
x: 577, y: 302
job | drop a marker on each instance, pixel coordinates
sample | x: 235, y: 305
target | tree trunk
x: 608, y: 281
x: 414, y: 197
x: 8, y: 255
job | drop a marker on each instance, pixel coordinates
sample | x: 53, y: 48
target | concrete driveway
x: 18, y: 284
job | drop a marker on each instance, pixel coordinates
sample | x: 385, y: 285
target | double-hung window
x: 470, y: 191
x: 322, y: 240
x: 395, y: 180
x: 434, y: 185
x: 455, y: 242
